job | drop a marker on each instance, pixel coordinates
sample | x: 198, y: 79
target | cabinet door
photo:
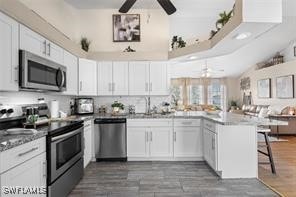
x: 187, y: 142
x: 104, y: 78
x: 139, y: 78
x: 161, y: 142
x: 31, y: 173
x: 210, y: 148
x: 87, y: 143
x: 137, y: 142
x: 158, y: 78
x: 32, y: 42
x: 87, y: 77
x: 71, y: 62
x: 54, y: 52
x: 120, y: 78
x: 8, y: 54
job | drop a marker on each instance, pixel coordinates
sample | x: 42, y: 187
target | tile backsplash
x: 32, y: 97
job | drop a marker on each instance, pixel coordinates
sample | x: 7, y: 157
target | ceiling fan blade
x: 127, y: 6
x: 168, y: 6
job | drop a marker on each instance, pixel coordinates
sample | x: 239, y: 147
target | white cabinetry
x: 139, y: 78
x: 35, y: 43
x: 8, y: 54
x: 158, y: 78
x: 210, y: 148
x: 71, y: 62
x: 187, y: 139
x: 113, y: 78
x: 149, y: 139
x: 148, y: 78
x: 24, y: 166
x: 88, y: 142
x: 87, y: 77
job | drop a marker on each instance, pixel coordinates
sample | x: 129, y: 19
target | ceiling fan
x: 207, y: 72
x: 167, y: 5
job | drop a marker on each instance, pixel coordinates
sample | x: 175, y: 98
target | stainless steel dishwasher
x: 110, y: 139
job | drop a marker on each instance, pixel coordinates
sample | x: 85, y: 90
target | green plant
x: 85, y: 43
x: 117, y: 104
x: 233, y: 103
x: 224, y: 18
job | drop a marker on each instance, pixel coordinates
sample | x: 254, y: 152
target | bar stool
x: 264, y: 132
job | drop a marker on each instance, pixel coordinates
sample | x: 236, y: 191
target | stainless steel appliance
x: 37, y: 73
x: 64, y: 157
x: 84, y: 106
x: 110, y: 139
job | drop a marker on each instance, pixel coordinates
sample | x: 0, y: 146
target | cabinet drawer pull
x: 16, y: 74
x: 48, y: 49
x: 27, y: 152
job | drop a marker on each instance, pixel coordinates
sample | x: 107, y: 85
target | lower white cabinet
x: 87, y: 77
x: 161, y: 139
x: 87, y: 142
x: 210, y: 148
x: 188, y: 142
x: 137, y: 142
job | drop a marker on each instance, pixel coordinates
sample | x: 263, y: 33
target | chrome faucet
x: 148, y: 105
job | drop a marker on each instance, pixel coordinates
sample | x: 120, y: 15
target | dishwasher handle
x: 110, y: 121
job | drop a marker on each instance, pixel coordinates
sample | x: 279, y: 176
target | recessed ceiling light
x: 192, y: 57
x: 242, y: 36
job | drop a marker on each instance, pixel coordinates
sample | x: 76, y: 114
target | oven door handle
x: 64, y: 136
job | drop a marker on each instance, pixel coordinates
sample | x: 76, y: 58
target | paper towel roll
x: 54, y: 109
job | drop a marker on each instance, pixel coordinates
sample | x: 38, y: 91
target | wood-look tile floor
x: 284, y: 154
x: 159, y: 179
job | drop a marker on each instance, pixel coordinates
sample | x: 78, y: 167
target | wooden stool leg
x: 269, y: 153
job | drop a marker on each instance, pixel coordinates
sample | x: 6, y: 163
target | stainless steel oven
x: 38, y: 73
x: 65, y: 160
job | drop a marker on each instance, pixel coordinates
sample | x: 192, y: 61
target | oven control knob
x: 10, y: 111
x: 3, y: 111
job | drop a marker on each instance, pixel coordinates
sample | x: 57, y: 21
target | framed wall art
x: 285, y: 86
x: 126, y: 28
x: 264, y: 88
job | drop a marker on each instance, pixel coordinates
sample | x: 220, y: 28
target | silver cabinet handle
x: 45, y: 49
x: 44, y: 169
x: 175, y: 136
x: 213, y: 143
x: 109, y: 87
x: 27, y: 152
x: 16, y: 73
x: 113, y: 87
x: 151, y: 137
x: 80, y: 85
x: 150, y: 87
x: 146, y: 87
x: 146, y: 137
x: 48, y: 49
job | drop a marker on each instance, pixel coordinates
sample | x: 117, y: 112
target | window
x: 196, y: 95
x: 216, y: 94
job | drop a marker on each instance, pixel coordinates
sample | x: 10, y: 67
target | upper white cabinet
x: 8, y: 54
x: 87, y: 77
x: 120, y: 78
x: 37, y: 44
x: 139, y: 78
x: 71, y: 62
x: 105, y: 76
x: 113, y: 78
x: 148, y: 78
x: 158, y: 78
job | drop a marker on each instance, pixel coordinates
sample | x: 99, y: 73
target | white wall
x: 288, y: 68
x: 96, y: 25
x: 58, y: 13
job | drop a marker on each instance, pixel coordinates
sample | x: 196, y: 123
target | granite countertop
x: 223, y: 118
x: 11, y: 141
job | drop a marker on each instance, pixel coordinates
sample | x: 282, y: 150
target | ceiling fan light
x: 242, y: 36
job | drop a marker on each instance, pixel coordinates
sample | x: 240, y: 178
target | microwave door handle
x: 65, y: 136
x: 63, y: 79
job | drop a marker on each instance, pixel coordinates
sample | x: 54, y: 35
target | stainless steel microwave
x: 38, y: 73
